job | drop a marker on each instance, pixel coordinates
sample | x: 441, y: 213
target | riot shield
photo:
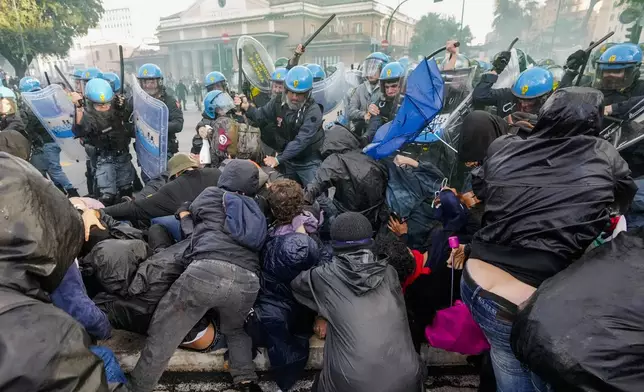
x: 353, y: 78
x: 55, y: 110
x: 510, y: 74
x: 257, y: 64
x: 151, y: 131
x: 331, y: 91
x: 625, y: 133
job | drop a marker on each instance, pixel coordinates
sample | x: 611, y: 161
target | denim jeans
x: 494, y: 315
x: 302, y: 172
x: 114, y: 174
x: 204, y: 285
x: 47, y: 160
x: 172, y: 224
x: 635, y: 216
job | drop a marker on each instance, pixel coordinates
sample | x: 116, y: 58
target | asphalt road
x: 76, y: 170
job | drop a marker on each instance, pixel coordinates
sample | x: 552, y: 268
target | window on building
x: 98, y: 56
x: 111, y: 54
x: 312, y: 29
x: 331, y: 29
x: 357, y: 28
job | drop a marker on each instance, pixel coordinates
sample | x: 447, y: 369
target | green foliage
x: 513, y: 16
x: 46, y: 27
x: 631, y: 2
x: 432, y: 31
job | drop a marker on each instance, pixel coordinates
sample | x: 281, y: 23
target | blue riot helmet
x: 317, y: 71
x: 217, y: 103
x: 558, y: 73
x: 7, y: 101
x: 532, y: 88
x: 372, y: 66
x: 29, y: 84
x: 299, y: 80
x: 404, y: 61
x: 90, y: 73
x: 391, y: 78
x: 150, y: 78
x: 215, y: 81
x: 277, y: 80
x: 618, y: 67
x: 99, y: 92
x: 77, y: 73
x: 113, y: 79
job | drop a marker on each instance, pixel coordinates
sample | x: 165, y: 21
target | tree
x: 513, y: 16
x: 43, y: 27
x: 432, y: 31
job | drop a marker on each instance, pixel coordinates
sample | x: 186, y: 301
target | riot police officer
x: 45, y: 151
x: 386, y: 106
x: 113, y: 79
x: 215, y: 81
x: 528, y: 93
x: 362, y: 97
x: 317, y: 71
x: 150, y: 78
x: 103, y: 124
x: 297, y: 121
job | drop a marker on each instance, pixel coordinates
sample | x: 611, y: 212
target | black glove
x: 246, y: 86
x: 185, y: 207
x: 576, y: 60
x: 501, y: 61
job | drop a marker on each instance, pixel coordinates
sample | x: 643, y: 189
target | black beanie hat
x: 351, y: 230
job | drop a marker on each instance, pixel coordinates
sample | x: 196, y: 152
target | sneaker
x: 72, y: 192
x: 248, y: 387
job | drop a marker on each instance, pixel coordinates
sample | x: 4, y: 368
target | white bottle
x: 204, y: 154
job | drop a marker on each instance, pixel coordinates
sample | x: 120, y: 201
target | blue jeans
x: 47, y: 160
x: 172, y: 224
x: 635, y: 216
x: 494, y: 315
x: 114, y: 174
x: 302, y: 172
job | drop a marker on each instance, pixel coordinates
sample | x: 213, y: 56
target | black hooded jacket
x: 549, y: 196
x: 360, y: 182
x: 368, y: 345
x: 42, y: 347
x: 478, y: 131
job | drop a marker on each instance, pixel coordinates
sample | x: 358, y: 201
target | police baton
x: 318, y: 31
x: 60, y: 73
x: 592, y: 46
x: 442, y: 49
x: 47, y: 78
x: 122, y: 70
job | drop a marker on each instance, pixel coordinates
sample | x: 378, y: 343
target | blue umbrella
x: 423, y: 101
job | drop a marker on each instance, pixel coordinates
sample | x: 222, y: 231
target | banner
x: 151, y: 131
x: 257, y: 64
x: 55, y: 110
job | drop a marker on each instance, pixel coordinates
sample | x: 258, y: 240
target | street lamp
x: 392, y: 16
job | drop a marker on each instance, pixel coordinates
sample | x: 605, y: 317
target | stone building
x: 202, y: 38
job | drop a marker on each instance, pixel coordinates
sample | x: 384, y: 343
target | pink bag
x: 455, y: 330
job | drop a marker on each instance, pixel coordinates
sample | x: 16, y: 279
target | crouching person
x: 368, y: 343
x: 42, y: 347
x: 228, y: 231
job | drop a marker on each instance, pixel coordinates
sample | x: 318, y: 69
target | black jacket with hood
x: 549, y: 196
x: 43, y: 348
x: 360, y: 182
x: 225, y: 223
x: 368, y: 345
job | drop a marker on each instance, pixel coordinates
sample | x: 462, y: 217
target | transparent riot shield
x: 257, y: 64
x: 55, y: 110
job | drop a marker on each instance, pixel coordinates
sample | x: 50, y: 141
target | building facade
x: 203, y: 37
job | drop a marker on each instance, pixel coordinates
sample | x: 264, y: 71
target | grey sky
x: 478, y: 13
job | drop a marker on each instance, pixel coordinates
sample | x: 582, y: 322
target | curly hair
x: 397, y: 254
x: 285, y: 198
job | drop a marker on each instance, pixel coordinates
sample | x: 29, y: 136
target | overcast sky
x: 478, y: 13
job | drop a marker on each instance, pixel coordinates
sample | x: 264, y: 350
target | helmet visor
x: 223, y: 103
x: 371, y: 68
x: 615, y: 79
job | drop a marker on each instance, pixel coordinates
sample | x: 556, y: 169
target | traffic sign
x: 225, y: 37
x: 384, y: 44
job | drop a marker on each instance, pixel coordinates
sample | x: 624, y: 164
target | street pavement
x: 76, y: 170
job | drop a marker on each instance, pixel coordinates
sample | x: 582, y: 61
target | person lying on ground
x: 228, y: 233
x: 360, y: 296
x: 43, y: 347
x: 278, y: 322
x: 187, y: 181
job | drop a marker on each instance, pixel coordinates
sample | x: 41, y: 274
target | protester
x: 228, y: 256
x: 546, y: 199
x: 187, y: 181
x: 278, y: 321
x: 42, y: 233
x: 359, y: 181
x: 9, y: 116
x: 182, y: 93
x: 360, y: 296
x: 365, y: 93
x: 14, y: 143
x: 297, y: 121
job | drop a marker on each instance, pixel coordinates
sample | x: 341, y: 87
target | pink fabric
x: 92, y: 203
x: 455, y: 330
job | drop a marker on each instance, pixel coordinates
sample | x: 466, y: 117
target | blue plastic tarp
x: 423, y: 101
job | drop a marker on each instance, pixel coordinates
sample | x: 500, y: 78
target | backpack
x: 239, y: 140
